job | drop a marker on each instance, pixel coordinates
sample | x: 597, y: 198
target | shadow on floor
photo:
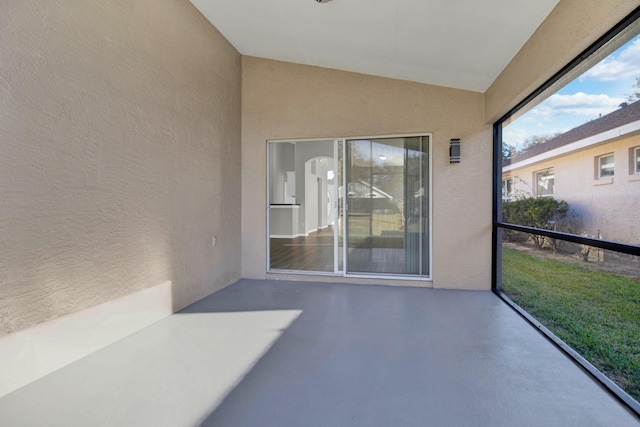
x: 277, y: 353
x: 382, y: 356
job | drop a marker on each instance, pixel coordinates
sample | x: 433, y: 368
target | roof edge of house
x: 582, y: 144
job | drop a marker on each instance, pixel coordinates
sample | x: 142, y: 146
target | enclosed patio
x: 287, y: 213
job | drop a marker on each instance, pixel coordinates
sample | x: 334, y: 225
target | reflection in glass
x: 387, y: 206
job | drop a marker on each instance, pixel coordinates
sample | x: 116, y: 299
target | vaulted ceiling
x: 456, y: 43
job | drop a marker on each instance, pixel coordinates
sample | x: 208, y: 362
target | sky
x: 597, y: 92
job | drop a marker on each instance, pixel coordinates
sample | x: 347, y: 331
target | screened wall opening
x: 350, y: 206
x: 567, y: 238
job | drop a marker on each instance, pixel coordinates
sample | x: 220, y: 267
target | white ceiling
x: 456, y: 43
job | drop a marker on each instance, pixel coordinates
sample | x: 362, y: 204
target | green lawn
x: 596, y: 313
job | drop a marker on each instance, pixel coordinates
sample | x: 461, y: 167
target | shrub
x: 539, y: 212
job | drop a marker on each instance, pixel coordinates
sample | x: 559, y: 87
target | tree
x: 508, y: 151
x: 535, y: 140
x: 538, y: 212
x: 635, y: 96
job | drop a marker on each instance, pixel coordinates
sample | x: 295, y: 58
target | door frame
x: 343, y: 210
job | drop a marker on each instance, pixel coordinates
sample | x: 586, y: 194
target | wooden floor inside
x: 315, y: 252
x: 306, y: 253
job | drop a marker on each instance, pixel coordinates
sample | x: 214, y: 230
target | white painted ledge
x: 603, y: 181
x: 28, y: 355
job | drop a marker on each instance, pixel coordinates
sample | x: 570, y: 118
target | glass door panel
x: 301, y: 209
x: 387, y: 206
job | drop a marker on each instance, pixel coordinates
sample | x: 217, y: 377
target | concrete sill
x: 603, y: 181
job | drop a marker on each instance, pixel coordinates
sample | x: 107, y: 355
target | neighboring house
x: 594, y: 167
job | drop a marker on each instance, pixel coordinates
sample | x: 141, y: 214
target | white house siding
x: 608, y: 206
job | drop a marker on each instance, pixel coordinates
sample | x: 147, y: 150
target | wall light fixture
x: 454, y: 150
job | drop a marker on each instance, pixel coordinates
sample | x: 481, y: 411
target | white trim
x: 537, y: 181
x: 412, y: 277
x: 578, y: 145
x: 507, y: 195
x: 336, y: 207
x: 605, y: 180
x: 32, y: 353
x: 431, y: 143
x: 399, y: 135
x: 343, y: 273
x: 345, y: 208
x: 277, y: 271
x: 287, y: 236
x: 268, y: 204
x: 284, y: 206
x: 426, y: 278
x: 600, y: 166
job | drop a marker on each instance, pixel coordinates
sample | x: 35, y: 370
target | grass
x: 596, y: 313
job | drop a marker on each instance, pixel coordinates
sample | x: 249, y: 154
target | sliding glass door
x: 349, y: 207
x: 387, y: 206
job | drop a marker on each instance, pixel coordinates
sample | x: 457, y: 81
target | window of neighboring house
x: 636, y: 159
x: 507, y: 189
x: 545, y: 182
x: 605, y: 166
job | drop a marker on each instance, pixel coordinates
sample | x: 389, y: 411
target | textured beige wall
x: 282, y: 100
x: 569, y: 29
x: 119, y: 124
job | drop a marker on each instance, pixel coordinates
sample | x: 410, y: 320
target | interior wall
x: 119, y: 155
x: 307, y: 182
x: 570, y: 28
x: 288, y: 101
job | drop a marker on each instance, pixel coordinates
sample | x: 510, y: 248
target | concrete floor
x: 267, y: 353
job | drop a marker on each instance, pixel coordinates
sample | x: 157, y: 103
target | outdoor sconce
x: 454, y: 150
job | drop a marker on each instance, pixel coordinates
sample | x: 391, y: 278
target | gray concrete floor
x: 267, y: 353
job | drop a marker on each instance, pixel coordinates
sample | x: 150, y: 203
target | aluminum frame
x: 498, y: 225
x: 344, y: 272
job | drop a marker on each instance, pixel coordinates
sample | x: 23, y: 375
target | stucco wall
x: 283, y: 101
x: 119, y: 155
x: 610, y: 205
x: 570, y: 28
